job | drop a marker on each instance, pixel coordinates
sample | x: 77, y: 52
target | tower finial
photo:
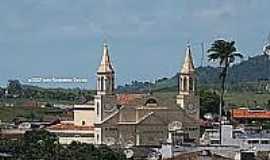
x: 188, y: 44
x: 105, y: 42
x: 105, y: 39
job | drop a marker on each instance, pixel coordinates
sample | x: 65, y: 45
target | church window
x: 112, y: 83
x: 107, y: 82
x: 151, y: 102
x: 98, y: 84
x: 179, y: 84
x: 185, y: 83
x: 102, y: 84
x: 97, y: 137
x: 97, y: 108
x: 190, y: 84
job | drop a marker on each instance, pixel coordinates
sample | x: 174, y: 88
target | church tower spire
x: 187, y: 77
x: 105, y: 74
x: 187, y: 97
x: 105, y: 65
x: 188, y: 66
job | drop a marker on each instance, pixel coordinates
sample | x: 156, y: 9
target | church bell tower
x: 105, y: 74
x: 187, y: 97
x: 105, y: 99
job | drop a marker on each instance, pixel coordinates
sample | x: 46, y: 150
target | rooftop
x: 250, y: 114
x: 69, y: 126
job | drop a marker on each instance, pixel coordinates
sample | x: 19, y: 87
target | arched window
x: 190, y: 84
x: 185, y: 83
x: 107, y: 84
x: 112, y: 83
x: 98, y: 83
x: 180, y: 84
x: 83, y: 123
x: 97, y: 137
x: 151, y: 102
x: 102, y: 84
x: 97, y: 108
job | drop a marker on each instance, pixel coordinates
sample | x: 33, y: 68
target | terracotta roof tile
x: 130, y: 99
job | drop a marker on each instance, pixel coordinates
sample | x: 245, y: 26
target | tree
x: 15, y: 88
x: 209, y: 102
x: 41, y: 144
x: 38, y: 144
x: 225, y: 53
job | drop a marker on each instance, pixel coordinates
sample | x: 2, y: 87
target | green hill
x: 251, y: 74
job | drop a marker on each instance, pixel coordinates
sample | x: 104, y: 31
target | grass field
x: 249, y: 99
x: 10, y: 113
x: 246, y: 99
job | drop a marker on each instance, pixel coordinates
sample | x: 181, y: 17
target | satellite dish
x: 266, y: 49
x: 208, y: 116
x: 153, y: 156
x: 175, y: 125
x: 109, y: 141
x: 129, y: 153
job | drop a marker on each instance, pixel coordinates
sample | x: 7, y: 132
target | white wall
x: 98, y: 135
x: 68, y: 140
x: 80, y: 115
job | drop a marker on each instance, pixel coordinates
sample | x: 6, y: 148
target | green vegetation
x: 27, y: 113
x: 251, y: 75
x: 40, y: 144
x: 24, y: 102
x: 247, y: 99
x: 209, y: 102
x: 16, y: 90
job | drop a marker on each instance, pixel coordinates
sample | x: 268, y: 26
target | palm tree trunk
x: 223, y: 79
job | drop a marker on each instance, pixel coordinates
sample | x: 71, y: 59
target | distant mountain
x: 252, y: 71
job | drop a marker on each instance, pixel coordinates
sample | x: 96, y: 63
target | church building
x: 139, y: 119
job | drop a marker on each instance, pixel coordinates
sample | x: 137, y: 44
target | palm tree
x: 225, y: 53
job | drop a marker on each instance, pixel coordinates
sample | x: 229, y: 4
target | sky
x: 146, y: 38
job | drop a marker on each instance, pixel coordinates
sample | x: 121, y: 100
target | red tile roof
x: 129, y: 99
x: 250, y: 114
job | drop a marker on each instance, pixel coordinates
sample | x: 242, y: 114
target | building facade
x: 135, y: 119
x: 144, y: 119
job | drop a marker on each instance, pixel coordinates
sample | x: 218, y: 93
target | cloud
x: 53, y: 29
